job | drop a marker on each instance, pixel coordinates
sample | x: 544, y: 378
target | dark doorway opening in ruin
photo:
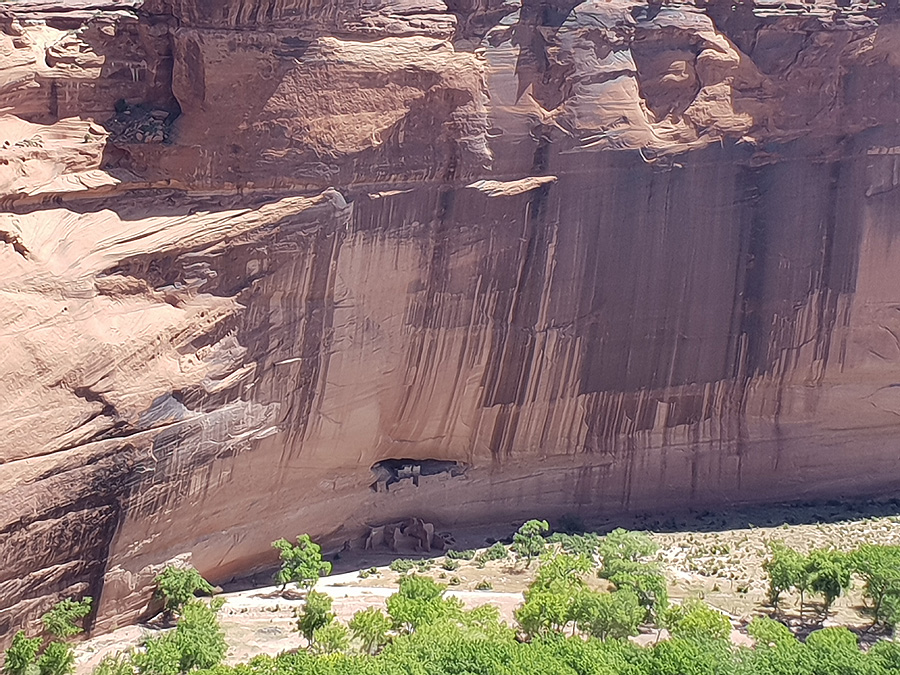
x: 390, y: 471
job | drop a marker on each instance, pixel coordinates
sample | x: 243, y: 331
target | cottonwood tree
x: 606, y: 616
x: 785, y: 568
x: 179, y: 585
x: 370, y: 626
x: 315, y: 614
x: 420, y: 601
x: 301, y: 564
x: 879, y: 567
x: 528, y: 541
x: 829, y: 574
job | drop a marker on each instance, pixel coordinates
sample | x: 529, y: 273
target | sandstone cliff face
x: 605, y: 255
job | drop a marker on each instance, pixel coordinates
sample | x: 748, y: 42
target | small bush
x: 403, y: 565
x: 468, y: 554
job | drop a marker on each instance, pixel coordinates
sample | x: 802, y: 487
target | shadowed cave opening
x: 390, y: 471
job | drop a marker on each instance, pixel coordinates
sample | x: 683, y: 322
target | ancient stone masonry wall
x: 599, y: 256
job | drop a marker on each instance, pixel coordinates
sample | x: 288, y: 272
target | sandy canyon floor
x: 714, y: 556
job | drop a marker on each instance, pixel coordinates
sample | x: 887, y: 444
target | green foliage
x: 115, y: 664
x: 178, y: 585
x: 420, y: 601
x: 834, y: 651
x: 577, y: 544
x: 61, y: 620
x: 496, y: 551
x: 450, y: 564
x: 786, y: 569
x: 622, y: 548
x: 198, y: 636
x: 301, y: 564
x: 197, y: 642
x: 331, y: 638
x: 624, y: 559
x: 484, y: 585
x: 886, y: 655
x: 468, y: 554
x: 370, y: 626
x: 551, y: 599
x: 777, y: 651
x: 21, y: 656
x: 160, y: 656
x: 528, y: 541
x: 402, y: 565
x: 879, y: 567
x: 315, y: 614
x: 698, y: 621
x: 608, y: 615
x: 829, y: 574
x: 58, y: 659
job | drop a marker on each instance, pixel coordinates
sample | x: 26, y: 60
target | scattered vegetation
x: 35, y: 656
x: 569, y: 623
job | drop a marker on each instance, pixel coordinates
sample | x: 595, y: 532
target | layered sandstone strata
x: 605, y: 256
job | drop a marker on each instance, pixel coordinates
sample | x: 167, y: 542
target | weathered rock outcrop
x: 603, y: 255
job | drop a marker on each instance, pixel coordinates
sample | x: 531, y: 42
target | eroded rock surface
x: 605, y: 255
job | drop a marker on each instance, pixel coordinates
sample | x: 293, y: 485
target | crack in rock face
x: 271, y: 267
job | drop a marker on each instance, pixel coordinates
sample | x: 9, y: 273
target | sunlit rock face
x: 605, y: 256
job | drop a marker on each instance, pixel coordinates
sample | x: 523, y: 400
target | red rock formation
x: 607, y: 255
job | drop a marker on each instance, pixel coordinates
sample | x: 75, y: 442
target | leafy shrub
x: 468, y: 554
x: 178, y: 585
x: 403, y: 565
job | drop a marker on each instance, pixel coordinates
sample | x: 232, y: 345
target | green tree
x: 301, y: 564
x: 699, y: 621
x: 785, y: 568
x: 547, y: 610
x: 199, y: 637
x: 316, y: 613
x: 829, y: 575
x: 370, y: 626
x: 21, y: 656
x: 886, y: 655
x: 550, y: 600
x: 420, y: 601
x: 178, y: 585
x: 625, y: 561
x: 621, y: 549
x: 160, y: 656
x: 608, y: 615
x: 528, y: 541
x: 331, y: 638
x: 58, y: 658
x: 879, y: 567
x: 777, y: 651
x: 834, y: 651
x: 61, y: 620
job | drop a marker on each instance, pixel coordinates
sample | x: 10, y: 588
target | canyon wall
x: 606, y: 256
